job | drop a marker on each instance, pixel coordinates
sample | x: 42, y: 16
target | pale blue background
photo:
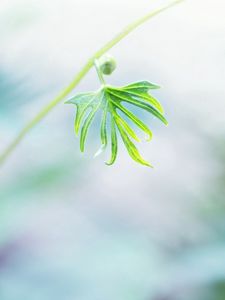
x: 72, y: 228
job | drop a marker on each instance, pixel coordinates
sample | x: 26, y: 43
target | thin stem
x: 45, y: 111
x: 132, y: 27
x: 99, y: 72
x: 80, y: 75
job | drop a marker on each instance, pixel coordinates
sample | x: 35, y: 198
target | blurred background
x: 73, y: 228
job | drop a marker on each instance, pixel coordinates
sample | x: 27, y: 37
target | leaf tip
x: 150, y: 166
x: 76, y: 128
x: 145, y: 163
x: 148, y: 137
x: 81, y: 147
x: 108, y: 163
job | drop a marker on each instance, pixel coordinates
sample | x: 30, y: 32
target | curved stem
x: 80, y: 76
x: 99, y: 72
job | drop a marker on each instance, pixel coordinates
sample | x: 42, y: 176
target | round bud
x: 107, y: 64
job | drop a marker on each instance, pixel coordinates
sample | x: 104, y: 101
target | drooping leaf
x: 141, y: 86
x: 127, y: 127
x: 86, y: 125
x: 144, y: 97
x: 141, y: 104
x: 104, y: 139
x: 109, y: 99
x: 133, y: 118
x: 114, y: 146
x: 83, y: 102
x: 132, y: 150
x: 140, y: 90
x: 103, y: 127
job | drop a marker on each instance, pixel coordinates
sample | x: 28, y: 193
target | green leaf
x: 114, y: 146
x: 85, y: 127
x: 145, y: 97
x: 141, y: 104
x: 104, y: 139
x: 140, y: 90
x: 135, y: 119
x: 109, y: 99
x: 103, y: 127
x: 141, y: 86
x: 126, y: 127
x: 132, y: 150
x: 84, y: 102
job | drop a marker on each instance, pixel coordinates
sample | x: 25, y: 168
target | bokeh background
x: 72, y: 228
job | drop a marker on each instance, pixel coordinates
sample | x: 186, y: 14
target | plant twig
x: 80, y: 75
x: 100, y: 75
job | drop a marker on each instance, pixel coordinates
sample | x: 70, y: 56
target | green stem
x: 99, y: 72
x: 79, y: 77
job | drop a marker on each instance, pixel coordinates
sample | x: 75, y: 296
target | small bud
x: 107, y: 64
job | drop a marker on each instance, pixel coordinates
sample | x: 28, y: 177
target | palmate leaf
x: 109, y: 100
